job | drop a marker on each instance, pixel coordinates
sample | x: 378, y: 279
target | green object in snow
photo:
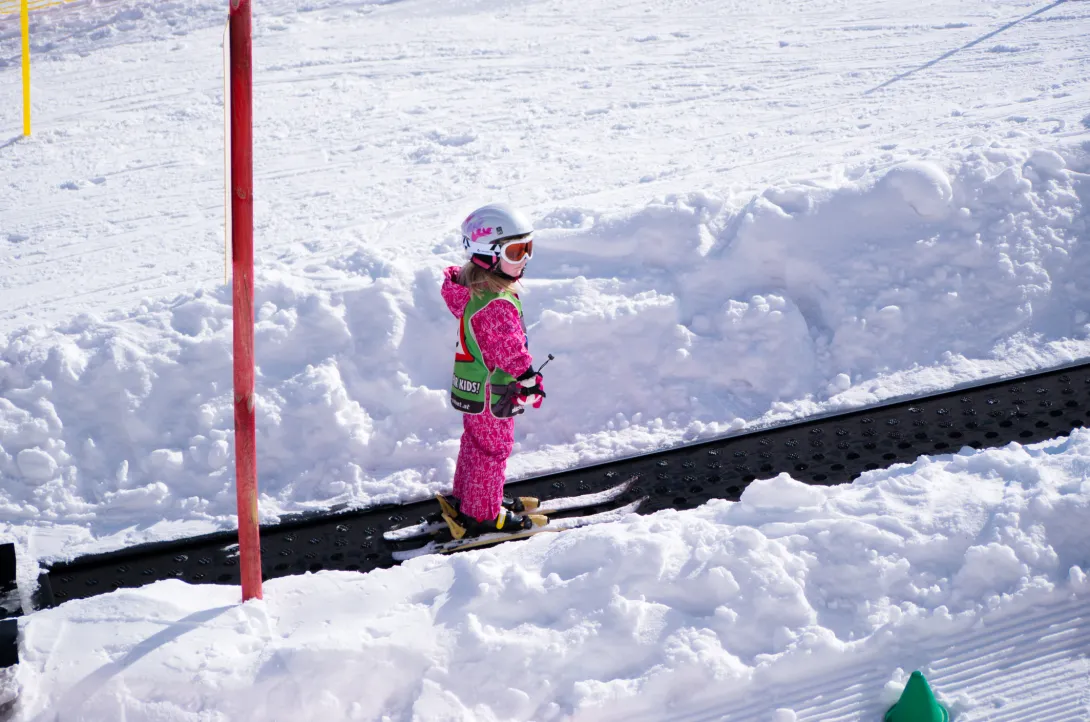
x: 917, y: 704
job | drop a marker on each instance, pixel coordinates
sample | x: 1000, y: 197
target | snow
x: 798, y: 602
x: 710, y: 318
x: 747, y: 213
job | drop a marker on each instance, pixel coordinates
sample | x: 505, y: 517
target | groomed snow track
x: 825, y: 450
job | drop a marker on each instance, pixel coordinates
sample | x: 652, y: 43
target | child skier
x: 493, y: 377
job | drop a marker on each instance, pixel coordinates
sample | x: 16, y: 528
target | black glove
x: 531, y: 392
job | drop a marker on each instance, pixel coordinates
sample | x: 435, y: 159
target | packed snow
x: 747, y: 213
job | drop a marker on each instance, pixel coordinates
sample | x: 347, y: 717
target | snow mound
x: 709, y: 315
x: 923, y: 186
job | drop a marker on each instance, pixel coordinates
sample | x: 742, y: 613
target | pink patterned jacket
x: 497, y: 327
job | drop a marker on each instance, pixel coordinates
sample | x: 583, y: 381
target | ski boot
x: 451, y: 505
x: 506, y: 522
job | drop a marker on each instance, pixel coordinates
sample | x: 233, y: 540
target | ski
x: 554, y: 525
x: 424, y: 528
x: 548, y: 506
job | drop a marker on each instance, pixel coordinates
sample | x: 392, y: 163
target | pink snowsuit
x: 486, y: 440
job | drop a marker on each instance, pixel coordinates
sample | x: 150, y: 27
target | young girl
x: 493, y: 377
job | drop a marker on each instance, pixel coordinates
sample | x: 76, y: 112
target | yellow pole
x: 26, y: 67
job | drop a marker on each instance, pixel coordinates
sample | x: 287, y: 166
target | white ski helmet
x: 486, y: 230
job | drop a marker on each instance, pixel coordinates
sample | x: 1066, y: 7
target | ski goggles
x: 518, y: 251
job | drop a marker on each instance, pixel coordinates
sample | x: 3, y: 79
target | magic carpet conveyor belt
x: 826, y: 450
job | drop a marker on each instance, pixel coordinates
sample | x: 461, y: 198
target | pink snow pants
x: 487, y: 442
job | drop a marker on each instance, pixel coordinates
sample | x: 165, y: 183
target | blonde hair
x: 478, y: 280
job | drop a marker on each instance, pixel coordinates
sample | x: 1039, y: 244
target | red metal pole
x: 242, y: 251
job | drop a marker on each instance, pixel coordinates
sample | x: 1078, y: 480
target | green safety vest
x: 471, y: 376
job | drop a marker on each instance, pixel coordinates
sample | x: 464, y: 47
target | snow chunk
x: 146, y: 498
x: 36, y: 465
x: 923, y: 186
x: 842, y: 382
x: 989, y: 568
x: 781, y: 492
x: 218, y: 454
x: 167, y: 460
x: 1047, y: 163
